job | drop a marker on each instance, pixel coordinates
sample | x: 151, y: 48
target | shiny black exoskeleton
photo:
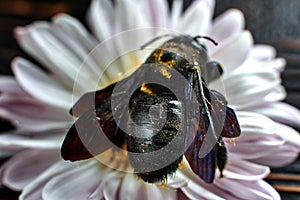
x: 170, y: 113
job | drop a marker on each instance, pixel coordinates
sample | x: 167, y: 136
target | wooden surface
x: 274, y: 22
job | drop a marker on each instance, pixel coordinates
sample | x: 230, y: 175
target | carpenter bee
x: 160, y: 113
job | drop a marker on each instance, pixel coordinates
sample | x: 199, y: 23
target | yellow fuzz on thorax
x: 147, y: 90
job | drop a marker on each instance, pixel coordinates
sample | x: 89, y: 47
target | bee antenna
x: 207, y: 38
x: 155, y: 39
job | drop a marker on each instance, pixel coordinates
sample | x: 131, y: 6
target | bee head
x: 180, y: 52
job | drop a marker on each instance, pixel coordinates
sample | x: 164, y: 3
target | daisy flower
x: 37, y: 102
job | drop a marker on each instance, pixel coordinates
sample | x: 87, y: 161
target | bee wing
x: 97, y: 130
x: 231, y: 126
x: 229, y: 123
x: 205, y: 153
x: 88, y: 136
x: 204, y: 167
x: 199, y: 137
x: 89, y: 99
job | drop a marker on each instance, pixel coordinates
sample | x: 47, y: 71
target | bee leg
x: 221, y: 156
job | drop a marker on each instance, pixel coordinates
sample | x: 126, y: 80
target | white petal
x: 26, y: 41
x: 234, y: 52
x: 245, y: 89
x: 156, y: 11
x: 110, y: 185
x: 284, y: 155
x: 199, y: 14
x: 56, y: 47
x: 133, y: 30
x: 76, y: 30
x: 248, y: 189
x: 127, y: 17
x: 277, y: 64
x: 78, y: 183
x: 226, y: 26
x: 129, y: 44
x: 102, y: 61
x: 254, y: 150
x: 281, y: 112
x: 198, y: 189
x: 195, y: 189
x: 9, y: 85
x: 177, y: 7
x: 26, y: 123
x: 167, y: 193
x: 123, y: 55
x: 26, y: 105
x: 259, y: 142
x: 245, y: 170
x: 175, y: 181
x: 77, y: 39
x: 269, y: 189
x: 26, y: 166
x: 288, y: 134
x: 27, y: 113
x: 211, y: 4
x: 251, y: 129
x: 112, y: 67
x: 40, y: 85
x: 42, y: 141
x: 40, y: 42
x: 262, y: 52
x: 101, y: 18
x: 135, y: 189
x: 34, y: 189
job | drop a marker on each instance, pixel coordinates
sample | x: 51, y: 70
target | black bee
x: 161, y: 112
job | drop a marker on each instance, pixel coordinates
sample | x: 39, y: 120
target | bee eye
x: 168, y: 56
x: 213, y: 70
x: 214, y: 65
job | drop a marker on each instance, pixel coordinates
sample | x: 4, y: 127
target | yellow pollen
x: 181, y: 165
x: 165, y: 73
x: 164, y: 183
x: 232, y: 141
x: 170, y: 63
x: 197, y: 68
x: 147, y: 90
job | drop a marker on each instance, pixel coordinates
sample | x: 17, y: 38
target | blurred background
x: 274, y: 22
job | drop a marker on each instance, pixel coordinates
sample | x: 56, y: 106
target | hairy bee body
x: 173, y: 116
x: 157, y: 123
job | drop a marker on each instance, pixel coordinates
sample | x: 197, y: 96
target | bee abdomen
x: 155, y: 144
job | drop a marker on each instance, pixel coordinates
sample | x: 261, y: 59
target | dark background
x: 274, y: 22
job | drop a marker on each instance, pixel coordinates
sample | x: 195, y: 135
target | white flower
x: 38, y: 102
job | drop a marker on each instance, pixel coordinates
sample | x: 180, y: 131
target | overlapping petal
x: 69, y: 185
x: 25, y: 166
x: 34, y: 189
x: 199, y: 13
x: 227, y: 52
x: 227, y: 25
x: 40, y: 85
x: 27, y: 113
